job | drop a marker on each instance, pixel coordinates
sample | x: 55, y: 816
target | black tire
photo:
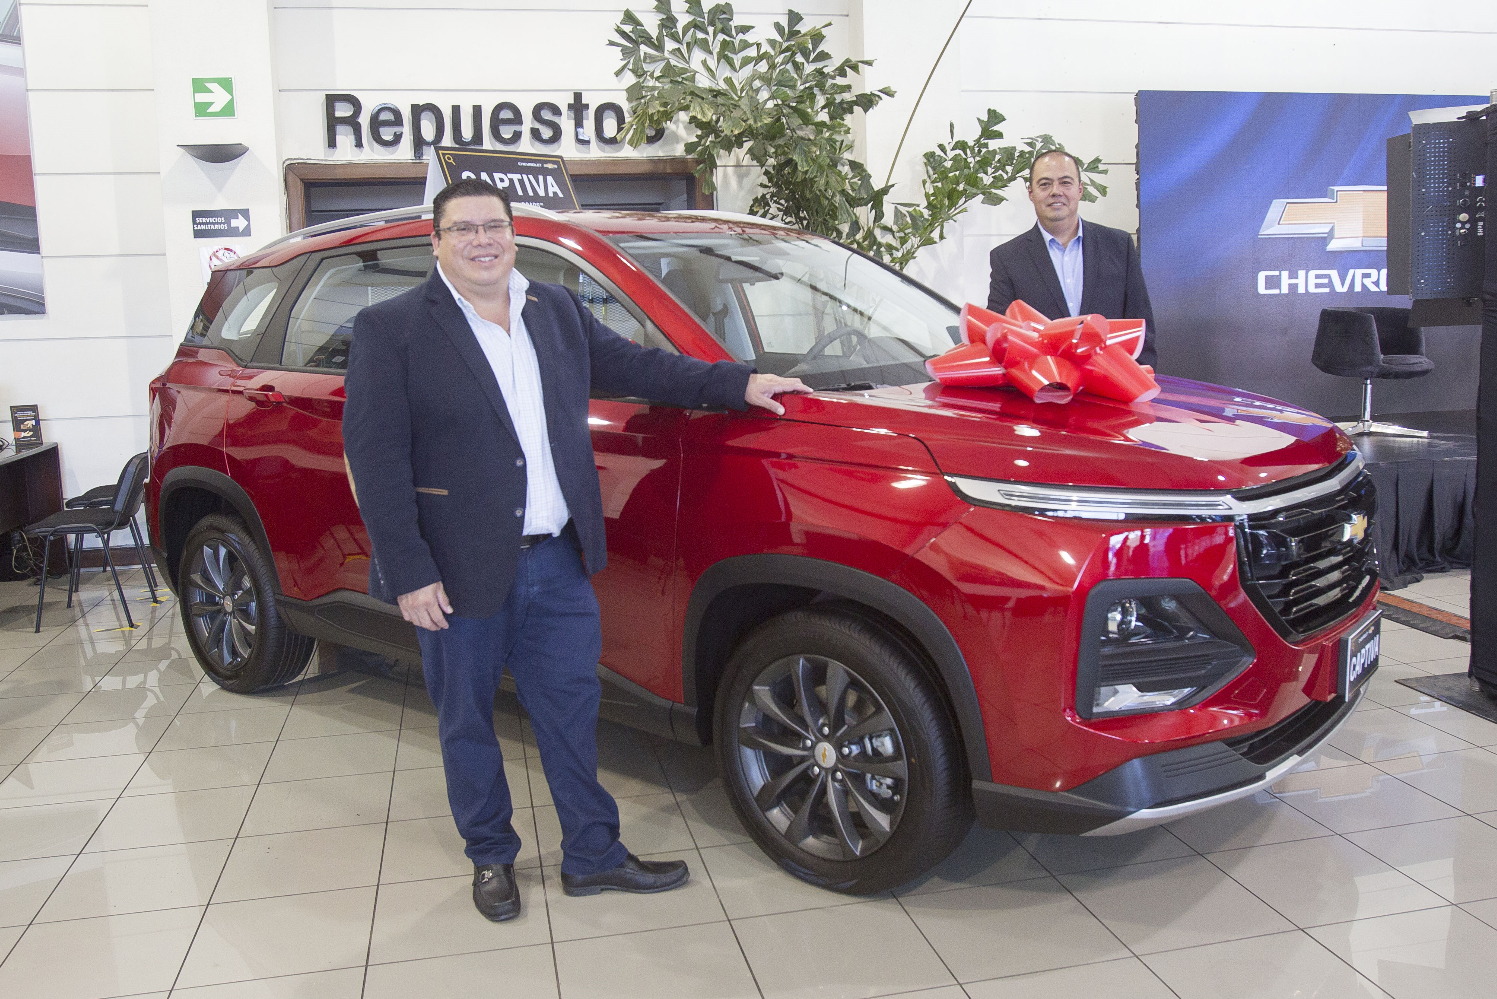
x: 893, y: 802
x: 227, y: 592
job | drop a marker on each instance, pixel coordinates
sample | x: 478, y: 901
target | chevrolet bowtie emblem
x: 1355, y: 529
x: 1355, y: 218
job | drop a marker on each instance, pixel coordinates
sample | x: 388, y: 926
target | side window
x: 234, y: 312
x: 626, y: 320
x: 320, y: 331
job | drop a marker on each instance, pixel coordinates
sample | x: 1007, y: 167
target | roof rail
x: 410, y: 214
x: 728, y: 216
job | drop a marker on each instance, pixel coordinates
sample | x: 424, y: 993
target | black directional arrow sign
x: 219, y: 223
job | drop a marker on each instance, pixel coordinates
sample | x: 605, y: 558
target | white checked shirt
x: 512, y: 356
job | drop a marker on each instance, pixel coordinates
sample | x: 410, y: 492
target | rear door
x: 285, y: 436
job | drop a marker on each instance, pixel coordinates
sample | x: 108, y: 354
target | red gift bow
x: 1048, y: 360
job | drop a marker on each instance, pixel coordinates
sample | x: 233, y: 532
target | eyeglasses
x: 468, y: 230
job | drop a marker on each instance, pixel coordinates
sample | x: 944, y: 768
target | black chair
x: 100, y: 521
x: 1371, y: 343
x: 100, y: 497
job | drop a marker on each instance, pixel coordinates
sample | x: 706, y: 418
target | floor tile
x: 139, y: 880
x: 1328, y: 880
x: 309, y: 861
x: 142, y: 669
x: 1068, y: 854
x: 82, y: 740
x: 8, y: 937
x: 1350, y: 799
x: 1465, y: 779
x: 140, y: 702
x: 25, y: 885
x: 1485, y: 910
x: 422, y: 794
x: 436, y: 918
x: 1285, y: 964
x: 35, y: 682
x: 333, y: 756
x: 612, y: 912
x: 208, y: 696
x: 1041, y: 927
x: 291, y: 806
x: 229, y: 727
x: 1128, y: 978
x: 1252, y: 821
x: 710, y: 816
x: 648, y: 824
x: 526, y: 973
x: 365, y: 705
x: 1385, y: 690
x: 346, y: 983
x: 68, y: 780
x: 1455, y: 857
x: 749, y: 883
x: 1431, y: 954
x: 1172, y: 904
x: 94, y: 659
x: 286, y: 935
x: 985, y: 857
x: 790, y: 955
x: 201, y: 769
x: 419, y: 712
x: 144, y: 951
x: 418, y: 849
x: 1414, y: 647
x: 17, y: 743
x: 1453, y: 721
x: 163, y: 819
x: 1375, y: 733
x: 420, y: 750
x: 650, y: 964
x: 49, y: 830
x: 30, y: 712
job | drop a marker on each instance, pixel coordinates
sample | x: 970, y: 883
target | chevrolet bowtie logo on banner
x: 1355, y: 218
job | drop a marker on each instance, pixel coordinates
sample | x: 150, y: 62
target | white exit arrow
x: 239, y: 222
x: 216, y: 98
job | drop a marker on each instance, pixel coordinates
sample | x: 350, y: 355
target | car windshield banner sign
x: 531, y: 179
x: 1256, y: 211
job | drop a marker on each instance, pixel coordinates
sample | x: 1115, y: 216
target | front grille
x: 1307, y: 567
x: 1272, y: 744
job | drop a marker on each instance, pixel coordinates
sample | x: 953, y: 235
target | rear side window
x: 320, y: 331
x: 235, y: 311
x: 626, y: 320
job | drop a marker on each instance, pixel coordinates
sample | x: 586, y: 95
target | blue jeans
x: 549, y: 636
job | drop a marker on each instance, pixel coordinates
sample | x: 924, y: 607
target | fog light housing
x: 1152, y: 645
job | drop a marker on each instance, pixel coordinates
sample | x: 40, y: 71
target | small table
x: 30, y: 489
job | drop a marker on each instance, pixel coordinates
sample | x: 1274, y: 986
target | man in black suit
x: 466, y: 435
x: 1065, y: 269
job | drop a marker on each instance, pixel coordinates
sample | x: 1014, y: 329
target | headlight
x: 1154, y: 645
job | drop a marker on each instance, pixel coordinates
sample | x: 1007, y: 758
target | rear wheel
x: 838, y: 753
x: 228, y: 609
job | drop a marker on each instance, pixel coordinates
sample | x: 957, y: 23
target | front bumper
x: 1166, y: 786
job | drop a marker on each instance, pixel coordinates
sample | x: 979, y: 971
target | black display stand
x: 1484, y: 559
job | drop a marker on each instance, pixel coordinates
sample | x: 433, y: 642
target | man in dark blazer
x: 466, y: 436
x: 1064, y: 268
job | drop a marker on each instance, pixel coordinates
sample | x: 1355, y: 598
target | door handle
x: 265, y: 395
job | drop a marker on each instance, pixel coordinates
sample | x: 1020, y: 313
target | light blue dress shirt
x: 1067, y: 261
x: 518, y: 372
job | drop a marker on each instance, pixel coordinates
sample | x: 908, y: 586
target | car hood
x: 1192, y: 436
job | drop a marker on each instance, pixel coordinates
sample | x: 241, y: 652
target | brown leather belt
x: 531, y: 540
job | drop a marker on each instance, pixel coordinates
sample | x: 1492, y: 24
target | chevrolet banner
x: 1256, y: 211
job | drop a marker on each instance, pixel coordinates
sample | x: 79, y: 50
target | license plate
x: 1359, y: 652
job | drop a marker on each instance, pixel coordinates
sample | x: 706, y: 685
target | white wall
x: 110, y: 103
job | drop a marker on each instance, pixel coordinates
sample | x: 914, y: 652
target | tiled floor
x: 158, y: 836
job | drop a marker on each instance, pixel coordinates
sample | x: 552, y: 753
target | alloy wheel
x: 823, y: 757
x: 222, y: 605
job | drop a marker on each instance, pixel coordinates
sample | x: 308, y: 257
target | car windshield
x: 800, y: 305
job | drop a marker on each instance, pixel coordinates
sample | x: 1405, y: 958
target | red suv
x: 894, y: 607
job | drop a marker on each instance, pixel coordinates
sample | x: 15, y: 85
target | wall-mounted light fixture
x: 216, y: 152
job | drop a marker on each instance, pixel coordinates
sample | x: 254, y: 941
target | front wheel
x: 228, y: 609
x: 838, y: 753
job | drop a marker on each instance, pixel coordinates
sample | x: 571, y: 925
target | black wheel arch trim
x: 226, y: 489
x: 834, y: 580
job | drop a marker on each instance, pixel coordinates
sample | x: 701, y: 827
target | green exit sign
x: 213, y: 97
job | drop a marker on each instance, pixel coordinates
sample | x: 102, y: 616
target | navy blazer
x: 1112, y: 282
x: 438, y: 469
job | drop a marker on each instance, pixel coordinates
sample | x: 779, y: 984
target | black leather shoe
x: 640, y: 877
x: 494, y: 891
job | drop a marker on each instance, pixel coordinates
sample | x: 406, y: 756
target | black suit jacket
x: 1112, y: 282
x: 438, y: 469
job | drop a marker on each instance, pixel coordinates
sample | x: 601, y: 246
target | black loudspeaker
x: 1484, y: 558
